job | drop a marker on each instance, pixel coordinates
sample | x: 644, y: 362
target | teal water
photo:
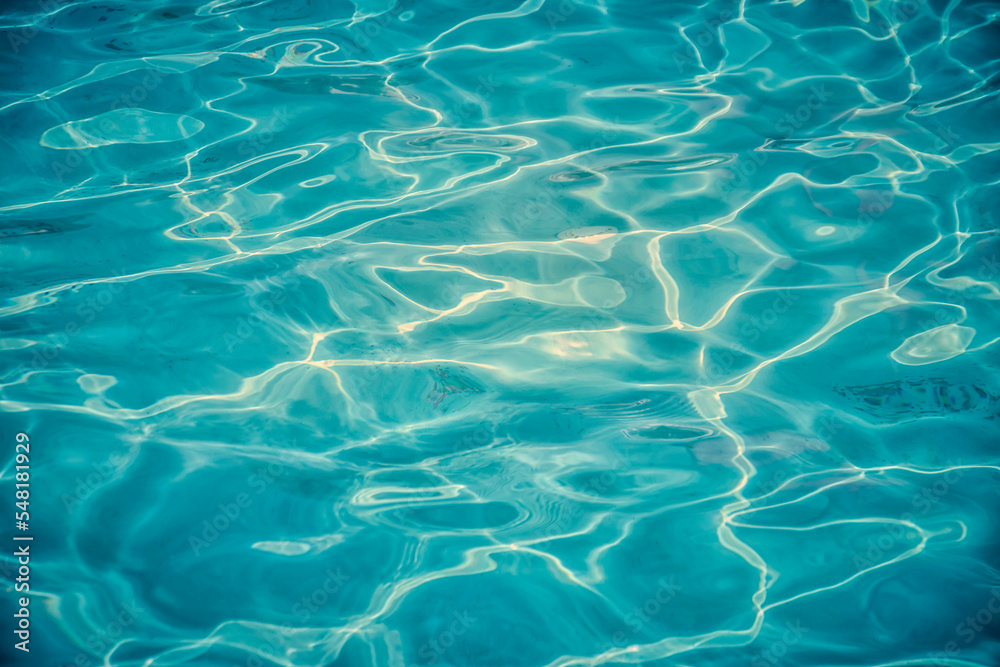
x: 499, y: 334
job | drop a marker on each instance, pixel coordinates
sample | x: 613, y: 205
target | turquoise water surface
x: 557, y: 333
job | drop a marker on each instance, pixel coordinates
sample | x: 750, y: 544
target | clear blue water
x: 490, y: 334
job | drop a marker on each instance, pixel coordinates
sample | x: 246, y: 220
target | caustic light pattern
x: 555, y: 333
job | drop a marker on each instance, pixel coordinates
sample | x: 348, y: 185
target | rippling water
x: 489, y: 334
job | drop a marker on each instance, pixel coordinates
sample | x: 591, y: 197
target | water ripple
x: 542, y: 333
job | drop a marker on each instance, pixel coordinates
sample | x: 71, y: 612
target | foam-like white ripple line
x: 319, y: 26
x: 847, y: 311
x: 942, y: 661
x: 48, y: 16
x: 909, y: 553
x: 526, y: 7
x: 671, y: 646
x: 798, y: 499
x: 828, y: 524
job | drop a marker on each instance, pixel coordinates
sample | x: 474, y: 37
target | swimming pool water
x: 547, y: 334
